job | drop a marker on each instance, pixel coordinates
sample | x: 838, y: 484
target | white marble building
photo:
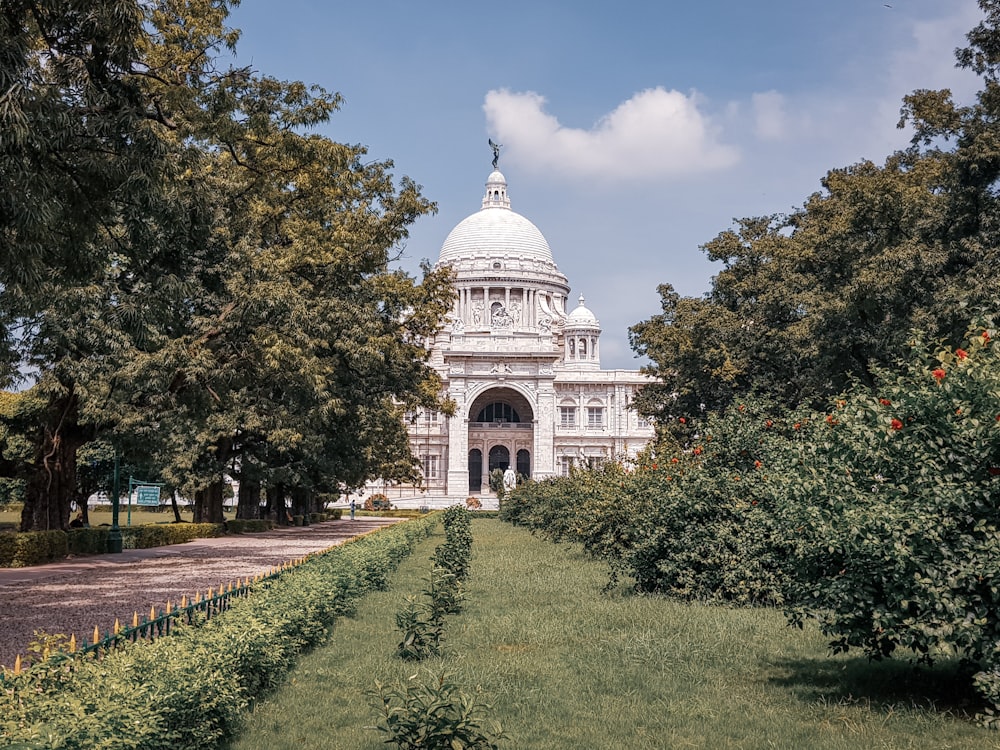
x: 523, y: 369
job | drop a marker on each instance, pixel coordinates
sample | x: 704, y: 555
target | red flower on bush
x: 796, y: 426
x: 885, y: 402
x: 961, y: 353
x: 654, y: 467
x: 757, y: 464
x: 986, y: 336
x: 674, y: 460
x: 896, y: 424
x: 682, y: 420
x: 741, y: 407
x: 938, y: 374
x: 830, y: 419
x: 697, y: 451
x: 768, y: 423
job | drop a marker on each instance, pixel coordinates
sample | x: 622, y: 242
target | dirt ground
x: 73, y: 596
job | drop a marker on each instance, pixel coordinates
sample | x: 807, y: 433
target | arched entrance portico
x: 501, y: 431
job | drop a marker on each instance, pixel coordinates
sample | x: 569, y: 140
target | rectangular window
x: 595, y: 417
x: 430, y: 416
x: 565, y: 462
x: 643, y: 423
x: 567, y: 416
x: 430, y: 466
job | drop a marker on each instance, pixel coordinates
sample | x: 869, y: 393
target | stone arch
x: 475, y: 470
x: 499, y: 458
x: 515, y: 397
x: 524, y: 463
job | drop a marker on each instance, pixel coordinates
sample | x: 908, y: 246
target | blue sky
x: 633, y: 132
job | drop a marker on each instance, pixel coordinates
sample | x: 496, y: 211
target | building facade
x: 522, y: 366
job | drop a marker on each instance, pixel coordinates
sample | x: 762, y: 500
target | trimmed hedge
x: 18, y: 550
x: 248, y: 525
x: 95, y: 539
x: 189, y: 690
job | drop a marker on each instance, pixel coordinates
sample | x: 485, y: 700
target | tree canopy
x: 189, y: 269
x: 810, y: 301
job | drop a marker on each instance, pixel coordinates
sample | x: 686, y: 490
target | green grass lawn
x: 567, y: 666
x: 102, y: 514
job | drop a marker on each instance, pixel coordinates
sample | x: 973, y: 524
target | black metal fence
x: 158, y: 625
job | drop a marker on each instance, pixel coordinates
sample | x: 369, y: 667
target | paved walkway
x: 77, y: 594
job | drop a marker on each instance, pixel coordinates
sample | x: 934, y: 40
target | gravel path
x: 74, y: 595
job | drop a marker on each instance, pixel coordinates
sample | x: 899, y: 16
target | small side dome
x: 582, y: 317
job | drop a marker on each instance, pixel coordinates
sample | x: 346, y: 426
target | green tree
x: 890, y: 510
x: 234, y: 301
x: 807, y: 302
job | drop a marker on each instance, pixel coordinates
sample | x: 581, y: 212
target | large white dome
x: 495, y: 231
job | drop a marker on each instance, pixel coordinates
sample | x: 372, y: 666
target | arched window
x: 524, y: 463
x: 498, y: 412
x: 475, y: 470
x: 499, y: 458
x: 567, y: 413
x: 595, y: 415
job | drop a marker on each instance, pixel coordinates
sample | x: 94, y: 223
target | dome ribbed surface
x: 495, y: 232
x: 582, y: 316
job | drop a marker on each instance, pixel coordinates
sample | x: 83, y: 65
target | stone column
x: 458, y: 444
x: 544, y: 457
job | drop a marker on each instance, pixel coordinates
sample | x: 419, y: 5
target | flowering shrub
x: 894, y: 513
x: 879, y: 518
x: 378, y: 501
x: 693, y: 524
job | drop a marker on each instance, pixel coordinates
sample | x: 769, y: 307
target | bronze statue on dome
x: 496, y: 152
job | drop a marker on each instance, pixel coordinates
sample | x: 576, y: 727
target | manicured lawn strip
x: 567, y: 666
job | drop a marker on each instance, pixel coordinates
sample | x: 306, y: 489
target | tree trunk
x: 84, y: 509
x: 208, y: 503
x: 208, y: 500
x: 300, y: 502
x: 51, y: 481
x: 174, y: 507
x: 276, y: 504
x: 248, y: 504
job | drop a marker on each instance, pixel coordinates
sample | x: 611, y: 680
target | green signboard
x: 146, y: 495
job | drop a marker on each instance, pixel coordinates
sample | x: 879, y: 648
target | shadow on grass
x: 945, y: 688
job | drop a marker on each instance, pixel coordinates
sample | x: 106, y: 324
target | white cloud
x: 928, y: 60
x: 844, y: 124
x: 657, y: 133
x: 771, y: 120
